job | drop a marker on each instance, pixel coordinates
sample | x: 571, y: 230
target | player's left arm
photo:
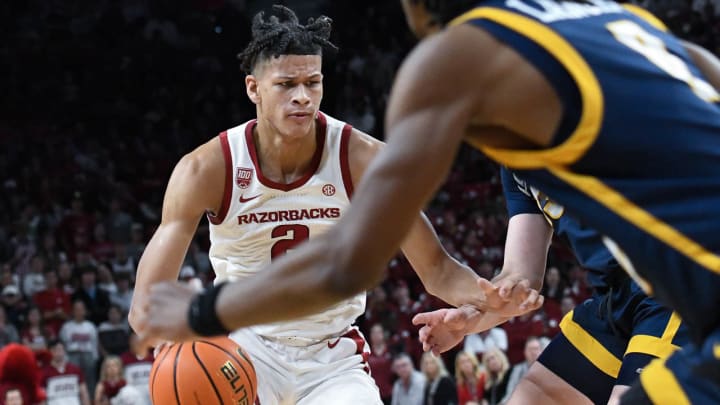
x: 708, y: 63
x: 441, y: 275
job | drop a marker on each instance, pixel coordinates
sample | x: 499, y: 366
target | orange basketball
x: 206, y: 371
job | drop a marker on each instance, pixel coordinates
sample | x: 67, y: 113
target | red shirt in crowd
x: 469, y: 392
x: 381, y: 369
x: 50, y: 300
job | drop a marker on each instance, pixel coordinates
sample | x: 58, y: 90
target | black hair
x: 282, y: 34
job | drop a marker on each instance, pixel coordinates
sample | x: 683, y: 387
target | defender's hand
x: 167, y: 313
x: 509, y: 295
x: 445, y: 328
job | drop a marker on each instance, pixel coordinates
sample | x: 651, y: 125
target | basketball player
x: 602, y: 343
x: 267, y: 186
x: 598, y: 107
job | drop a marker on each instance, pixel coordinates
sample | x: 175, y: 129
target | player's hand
x: 166, y: 313
x: 509, y: 295
x: 445, y: 328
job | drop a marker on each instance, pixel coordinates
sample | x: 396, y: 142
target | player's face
x: 288, y: 90
x: 418, y: 18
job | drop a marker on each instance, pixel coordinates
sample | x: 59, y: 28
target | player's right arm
x: 195, y: 187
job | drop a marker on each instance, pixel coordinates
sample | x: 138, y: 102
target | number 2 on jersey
x: 653, y: 48
x: 297, y: 234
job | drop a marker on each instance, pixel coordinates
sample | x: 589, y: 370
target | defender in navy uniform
x: 604, y: 341
x: 597, y: 106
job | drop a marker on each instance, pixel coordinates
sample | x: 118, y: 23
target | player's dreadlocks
x: 282, y: 34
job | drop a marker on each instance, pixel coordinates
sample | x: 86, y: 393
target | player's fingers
x: 429, y: 318
x: 530, y: 301
x: 506, y: 287
x: 436, y: 350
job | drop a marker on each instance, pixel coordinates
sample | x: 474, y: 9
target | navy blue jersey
x: 637, y: 152
x: 585, y: 242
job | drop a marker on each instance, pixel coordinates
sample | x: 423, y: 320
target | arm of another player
x: 195, y: 186
x: 708, y: 63
x: 440, y: 274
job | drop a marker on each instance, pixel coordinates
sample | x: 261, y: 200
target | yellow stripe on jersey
x: 629, y: 211
x: 590, y: 347
x: 660, y: 347
x: 661, y: 385
x: 646, y: 15
x: 588, y: 127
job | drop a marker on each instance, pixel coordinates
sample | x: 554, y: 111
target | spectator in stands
x: 66, y: 280
x: 81, y: 340
x: 497, y: 371
x: 111, y: 380
x: 137, y: 363
x: 95, y: 299
x: 554, y: 286
x: 14, y: 305
x: 8, y: 332
x: 136, y: 246
x: 123, y: 296
x: 518, y: 329
x: 102, y: 248
x: 105, y: 279
x: 470, y: 379
x: 35, y: 334
x: 533, y: 348
x: 380, y: 362
x: 439, y: 386
x: 64, y: 381
x: 123, y: 263
x: 409, y: 387
x: 118, y: 222
x: 53, y: 302
x: 34, y: 280
x: 482, y: 342
x: 113, y: 334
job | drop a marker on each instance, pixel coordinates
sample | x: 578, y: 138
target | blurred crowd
x: 101, y: 98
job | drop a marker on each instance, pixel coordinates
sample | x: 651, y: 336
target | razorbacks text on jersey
x: 637, y: 154
x: 261, y: 219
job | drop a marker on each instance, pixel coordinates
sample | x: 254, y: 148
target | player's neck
x: 281, y: 158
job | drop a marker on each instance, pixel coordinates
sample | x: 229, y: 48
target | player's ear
x: 251, y: 86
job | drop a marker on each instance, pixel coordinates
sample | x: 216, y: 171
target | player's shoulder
x: 206, y: 159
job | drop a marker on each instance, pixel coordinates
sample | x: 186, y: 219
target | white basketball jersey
x: 261, y: 219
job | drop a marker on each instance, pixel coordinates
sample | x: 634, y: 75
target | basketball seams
x: 157, y: 367
x: 207, y: 374
x: 175, y: 364
x: 240, y: 363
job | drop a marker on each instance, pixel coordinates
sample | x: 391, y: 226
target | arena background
x: 99, y: 99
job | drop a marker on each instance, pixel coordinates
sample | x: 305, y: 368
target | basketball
x: 206, y: 371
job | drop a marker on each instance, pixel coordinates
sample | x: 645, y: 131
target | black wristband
x: 202, y: 317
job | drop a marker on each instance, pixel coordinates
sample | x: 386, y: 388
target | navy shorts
x: 608, y: 339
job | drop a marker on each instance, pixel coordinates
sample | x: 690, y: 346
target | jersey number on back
x: 297, y: 234
x: 653, y: 48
